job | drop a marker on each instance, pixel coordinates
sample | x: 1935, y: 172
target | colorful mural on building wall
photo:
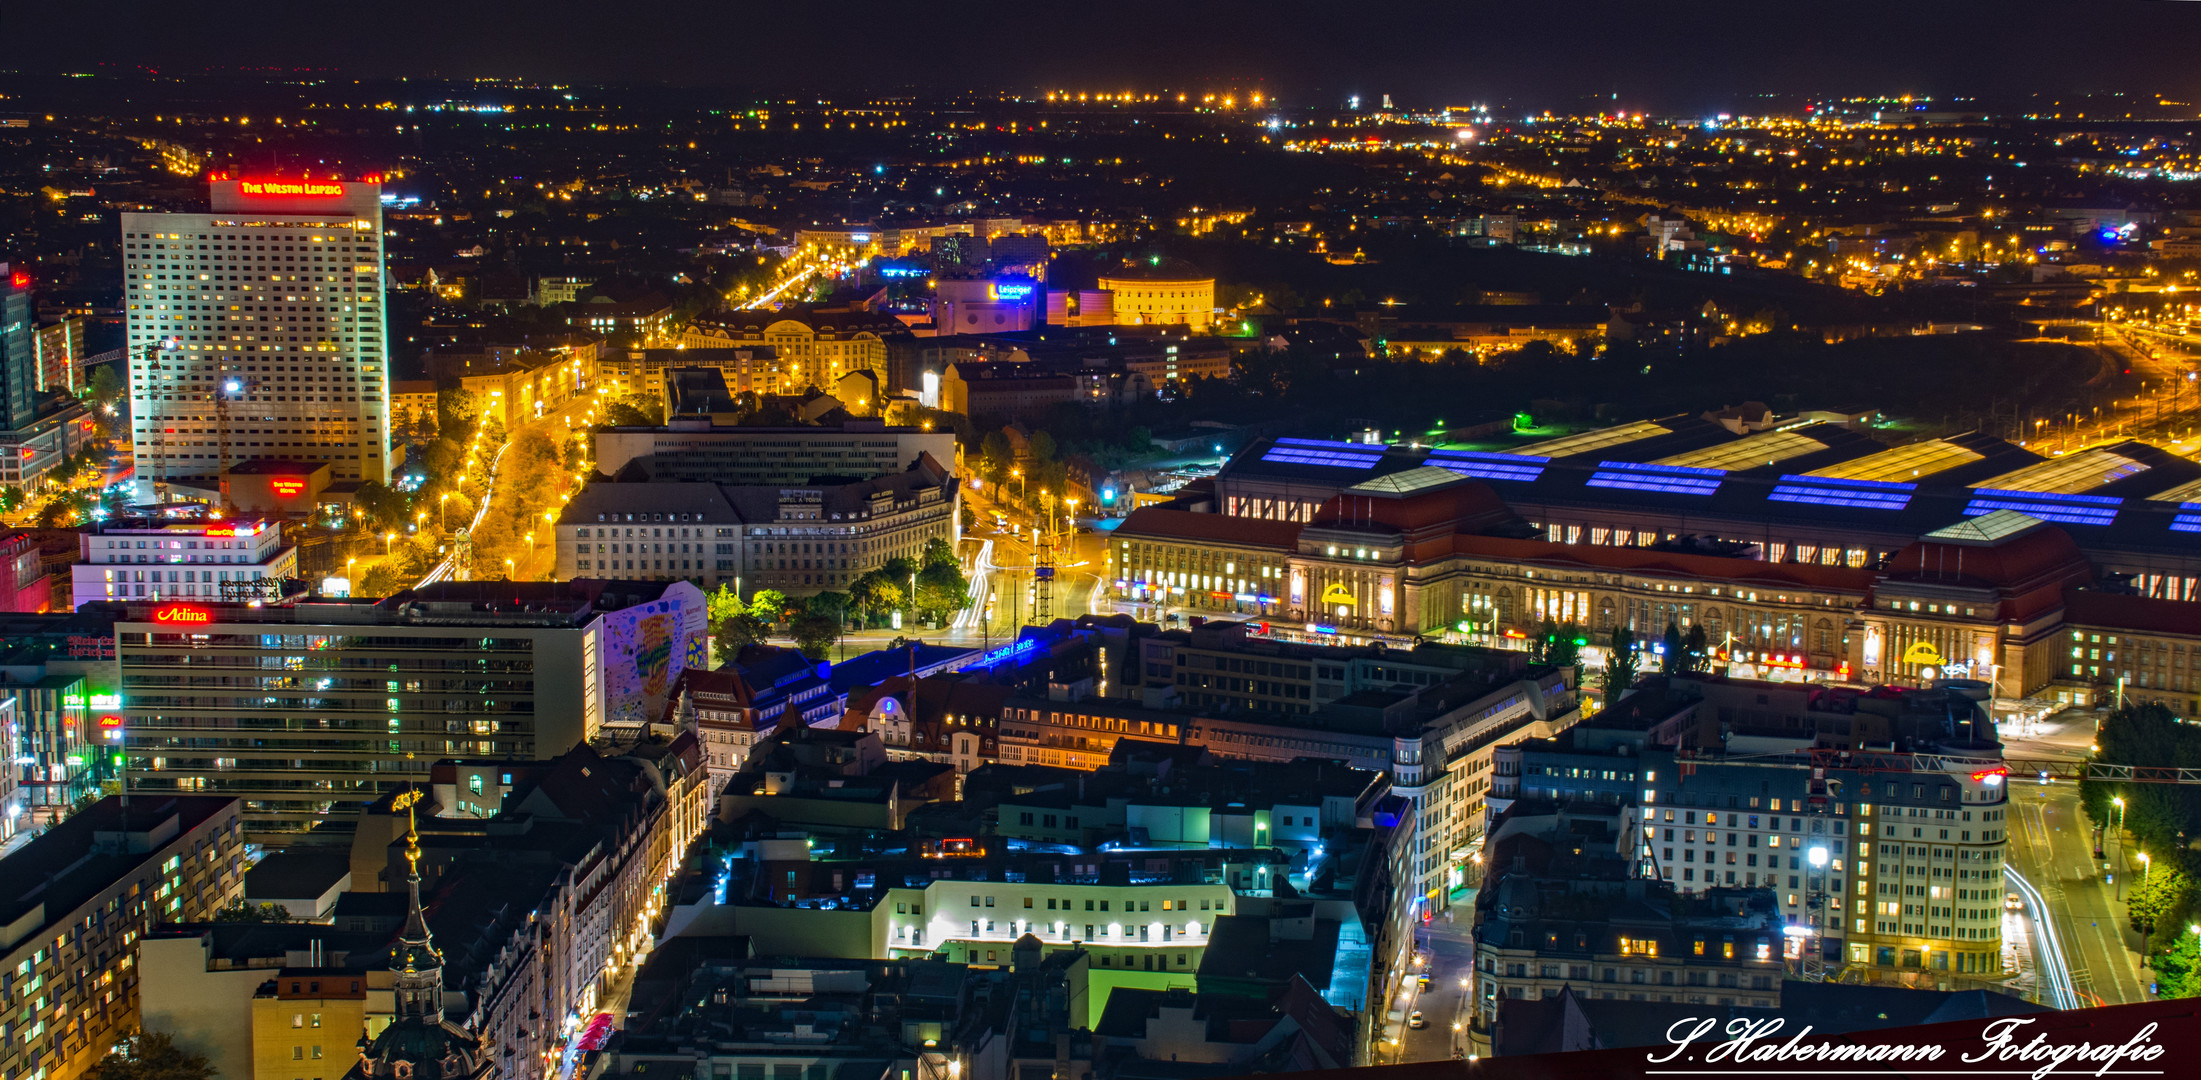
x: 646, y: 647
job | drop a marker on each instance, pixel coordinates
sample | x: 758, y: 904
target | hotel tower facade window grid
x: 274, y: 300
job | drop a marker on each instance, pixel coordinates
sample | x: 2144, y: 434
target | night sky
x: 1664, y: 55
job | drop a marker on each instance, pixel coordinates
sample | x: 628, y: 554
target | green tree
x: 769, y: 605
x: 995, y: 458
x: 938, y: 552
x: 721, y: 603
x: 832, y: 605
x: 1043, y: 448
x: 1620, y: 663
x: 152, y: 1055
x: 455, y: 413
x: 631, y: 412
x: 247, y: 911
x: 68, y: 508
x: 1697, y: 647
x: 385, y: 577
x: 1563, y: 644
x: 2160, y: 892
x: 736, y: 632
x: 104, y: 384
x: 942, y: 590
x: 898, y: 570
x: 2159, y: 816
x: 815, y: 634
x: 11, y: 497
x: 875, y: 594
x: 2178, y: 966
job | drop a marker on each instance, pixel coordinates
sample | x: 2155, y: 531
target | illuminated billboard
x: 290, y: 189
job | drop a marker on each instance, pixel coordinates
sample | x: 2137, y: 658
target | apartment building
x: 1561, y: 909
x: 69, y: 984
x: 1875, y: 820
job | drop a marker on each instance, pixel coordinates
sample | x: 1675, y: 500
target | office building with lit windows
x: 795, y: 539
x: 164, y: 560
x: 256, y: 331
x: 310, y: 709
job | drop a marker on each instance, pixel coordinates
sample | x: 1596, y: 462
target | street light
x: 386, y: 539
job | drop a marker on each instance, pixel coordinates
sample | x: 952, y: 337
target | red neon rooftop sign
x: 290, y: 188
x: 182, y: 613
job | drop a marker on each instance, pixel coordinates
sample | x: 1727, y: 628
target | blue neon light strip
x: 1333, y: 444
x: 2051, y: 497
x: 2188, y: 522
x: 1670, y: 479
x: 1862, y: 494
x: 1520, y: 467
x: 1294, y: 455
x: 2060, y: 512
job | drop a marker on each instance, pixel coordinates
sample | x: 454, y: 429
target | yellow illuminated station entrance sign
x: 1334, y: 593
x: 1923, y: 652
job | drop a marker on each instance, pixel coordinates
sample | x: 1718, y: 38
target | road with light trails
x: 981, y: 578
x: 2079, y: 919
x: 443, y: 568
x: 794, y: 277
x: 2054, y: 972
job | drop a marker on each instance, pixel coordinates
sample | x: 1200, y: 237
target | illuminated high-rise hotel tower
x: 257, y: 333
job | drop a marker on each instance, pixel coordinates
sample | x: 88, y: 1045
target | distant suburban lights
x: 1825, y: 491
x: 1671, y: 479
x: 2063, y: 509
x: 1524, y: 468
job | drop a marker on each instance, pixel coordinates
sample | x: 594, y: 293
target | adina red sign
x: 182, y: 613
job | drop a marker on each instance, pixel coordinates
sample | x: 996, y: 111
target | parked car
x: 1416, y: 1021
